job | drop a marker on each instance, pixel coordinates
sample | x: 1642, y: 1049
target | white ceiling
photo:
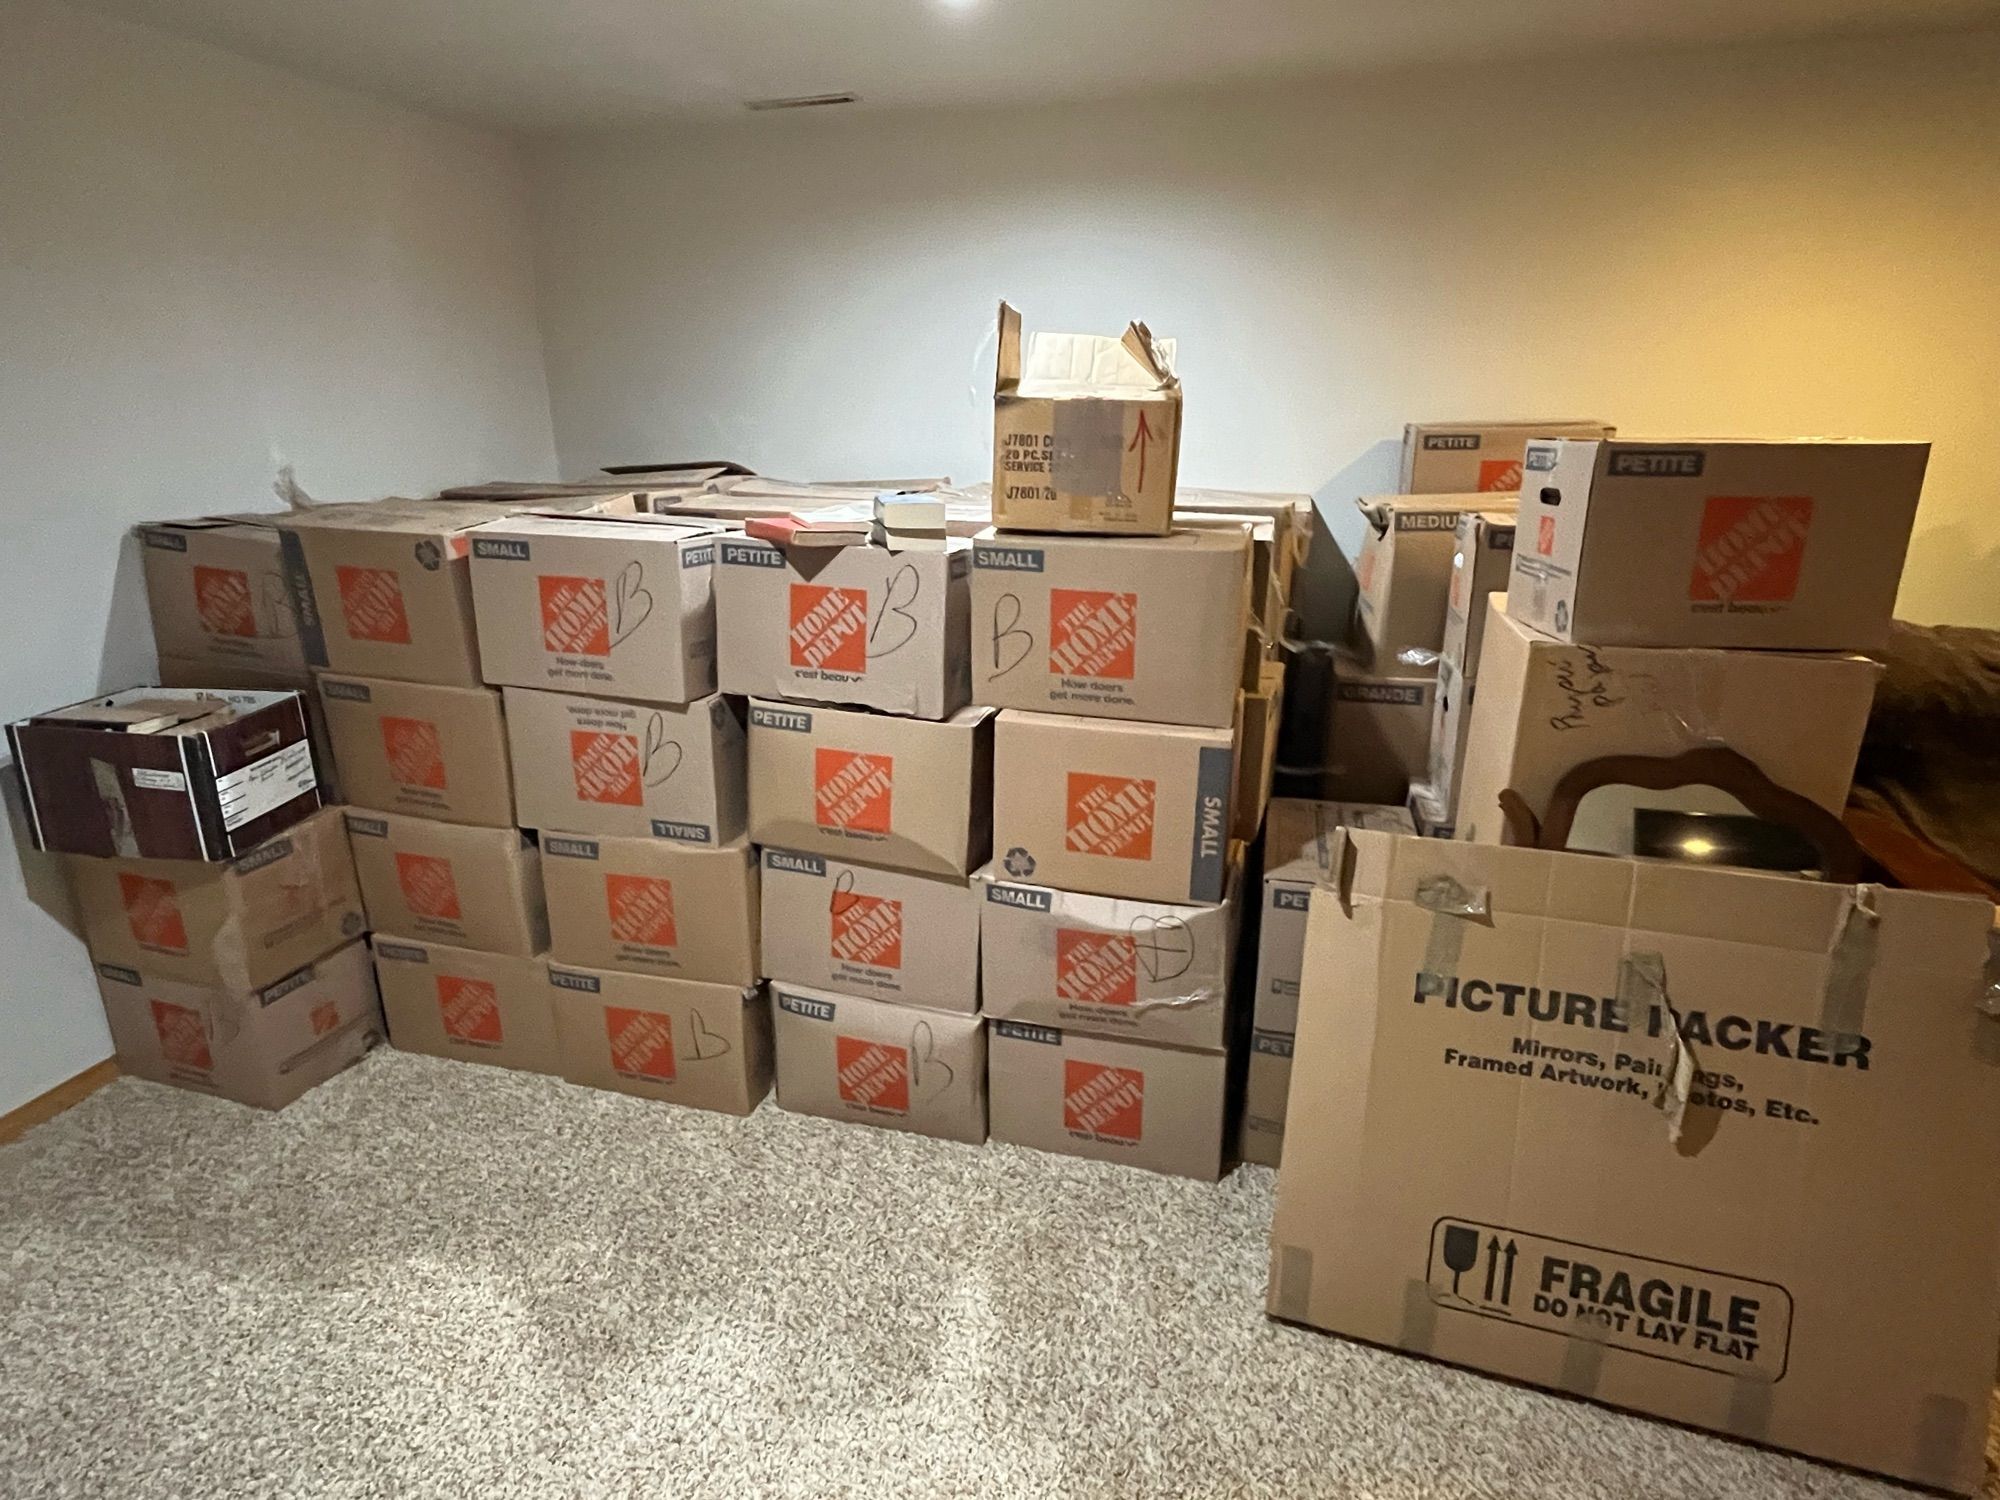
x: 556, y: 65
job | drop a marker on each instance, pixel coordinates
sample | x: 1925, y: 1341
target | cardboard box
x: 1455, y: 458
x: 1137, y: 628
x: 1153, y: 971
x: 1710, y: 1145
x: 1269, y: 601
x: 635, y: 770
x: 618, y: 605
x: 1160, y: 1108
x: 907, y: 793
x: 417, y: 748
x: 861, y: 625
x: 854, y: 929
x: 453, y: 883
x: 1086, y: 431
x: 1482, y: 553
x: 1451, y: 727
x: 1262, y: 715
x: 468, y: 1004
x: 1789, y: 545
x: 185, y: 672
x: 1428, y: 813
x: 236, y: 926
x: 165, y: 773
x: 1354, y: 737
x: 1260, y: 1135
x: 653, y: 906
x: 216, y: 588
x: 1403, y: 578
x: 897, y: 1066
x: 1290, y: 514
x: 1545, y: 706
x: 707, y: 1046
x: 259, y: 1047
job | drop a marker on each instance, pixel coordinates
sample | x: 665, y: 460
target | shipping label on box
x: 1160, y: 1108
x: 1777, y: 545
x: 654, y: 906
x: 862, y: 625
x: 857, y: 929
x: 468, y: 1004
x: 453, y: 883
x: 1260, y: 1137
x: 1130, y: 628
x: 1455, y: 458
x: 217, y: 592
x: 416, y: 748
x: 877, y: 1063
x: 909, y: 793
x: 1482, y: 553
x: 1403, y: 579
x: 707, y: 1046
x: 622, y: 606
x: 636, y: 770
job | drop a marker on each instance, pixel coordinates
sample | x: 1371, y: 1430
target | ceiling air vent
x: 801, y: 101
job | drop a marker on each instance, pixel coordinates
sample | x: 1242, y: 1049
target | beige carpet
x: 431, y: 1279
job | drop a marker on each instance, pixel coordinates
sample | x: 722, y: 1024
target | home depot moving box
x: 897, y: 1066
x: 703, y: 1045
x: 654, y: 906
x: 262, y: 1047
x: 856, y: 929
x: 1144, y: 628
x: 618, y: 605
x: 236, y: 926
x: 468, y: 1004
x: 216, y: 588
x: 1404, y: 578
x: 1154, y: 971
x: 904, y: 792
x: 454, y: 883
x: 1482, y: 554
x: 1357, y: 737
x: 1086, y: 431
x: 1796, y: 545
x: 599, y: 765
x: 421, y: 749
x: 1451, y: 458
x: 1711, y: 1145
x: 1155, y: 1107
x: 862, y: 625
x: 1545, y: 706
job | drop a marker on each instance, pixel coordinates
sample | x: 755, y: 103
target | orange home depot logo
x: 852, y: 790
x: 1093, y: 633
x: 371, y: 605
x: 183, y: 1039
x: 325, y: 1016
x: 222, y: 600
x: 869, y: 930
x: 1750, y: 548
x: 1109, y: 815
x: 1097, y: 968
x: 642, y: 1043
x: 873, y: 1075
x: 575, y: 619
x: 606, y: 767
x: 642, y: 910
x: 1496, y: 474
x: 1105, y: 1102
x: 1545, y: 536
x: 416, y: 754
x: 154, y: 913
x: 429, y: 889
x: 471, y: 1010
x: 829, y: 628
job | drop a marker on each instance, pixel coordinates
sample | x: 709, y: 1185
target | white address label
x: 158, y: 781
x: 265, y: 784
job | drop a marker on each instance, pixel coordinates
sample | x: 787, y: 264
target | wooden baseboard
x: 44, y: 1107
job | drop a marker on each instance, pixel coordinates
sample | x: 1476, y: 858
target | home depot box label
x: 217, y: 593
x: 1795, y: 545
x: 1138, y: 628
x: 909, y: 793
x: 618, y: 605
x: 453, y: 883
x: 857, y: 929
x: 1086, y: 431
x: 467, y: 1004
x: 1482, y: 555
x: 654, y: 906
x: 1453, y: 458
x: 1403, y: 578
x: 875, y: 1063
x: 1666, y: 1116
x: 1156, y: 971
x: 1160, y: 1108
x: 862, y: 625
x: 638, y: 770
x: 418, y: 748
x: 261, y: 1047
x: 1260, y: 1135
x: 707, y: 1046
